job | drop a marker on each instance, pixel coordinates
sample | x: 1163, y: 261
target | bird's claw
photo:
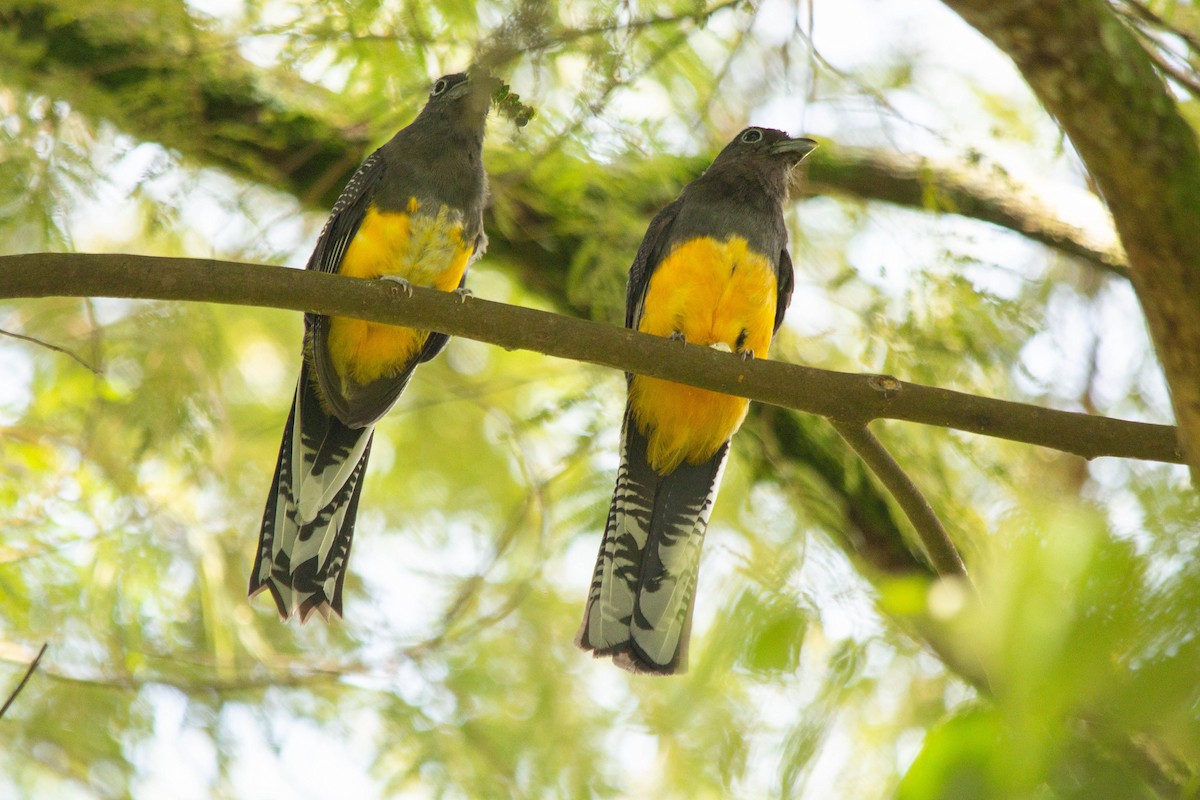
x: 745, y: 354
x: 463, y: 293
x: 678, y: 336
x: 403, y: 286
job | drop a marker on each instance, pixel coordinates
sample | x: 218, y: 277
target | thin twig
x: 1143, y: 12
x: 25, y: 680
x: 594, y: 108
x: 871, y: 92
x: 697, y: 18
x: 1187, y: 80
x: 54, y: 347
x: 497, y: 53
x: 704, y: 113
x: 940, y: 549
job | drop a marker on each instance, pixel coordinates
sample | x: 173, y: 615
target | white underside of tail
x: 303, y: 498
x: 627, y: 603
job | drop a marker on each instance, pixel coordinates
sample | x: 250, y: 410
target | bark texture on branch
x: 840, y: 395
x: 1090, y: 72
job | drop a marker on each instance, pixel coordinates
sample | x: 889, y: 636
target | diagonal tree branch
x: 28, y: 674
x: 938, y: 545
x: 50, y: 346
x: 853, y: 398
x: 863, y: 524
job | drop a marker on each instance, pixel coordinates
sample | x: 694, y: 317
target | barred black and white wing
x: 308, y: 523
x: 346, y: 216
x: 643, y: 591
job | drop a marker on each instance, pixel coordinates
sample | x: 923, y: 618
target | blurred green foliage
x: 132, y: 477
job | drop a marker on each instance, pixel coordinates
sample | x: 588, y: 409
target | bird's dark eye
x: 751, y: 136
x: 440, y: 87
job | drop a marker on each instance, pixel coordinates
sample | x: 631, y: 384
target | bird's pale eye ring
x: 440, y: 87
x: 751, y: 136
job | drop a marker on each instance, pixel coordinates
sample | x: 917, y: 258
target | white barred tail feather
x: 309, y: 520
x: 643, y: 591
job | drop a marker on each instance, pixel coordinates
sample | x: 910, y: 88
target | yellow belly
x: 713, y: 293
x: 427, y: 250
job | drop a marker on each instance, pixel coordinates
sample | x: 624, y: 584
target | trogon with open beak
x: 713, y: 270
x: 413, y: 214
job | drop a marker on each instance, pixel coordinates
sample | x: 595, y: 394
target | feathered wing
x: 639, y: 603
x: 643, y: 591
x: 308, y: 523
x: 372, y: 401
x: 346, y: 216
x: 650, y: 253
x: 785, y: 284
x: 369, y: 401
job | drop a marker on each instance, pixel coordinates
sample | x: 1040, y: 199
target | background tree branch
x: 202, y: 100
x: 938, y: 545
x: 858, y: 398
x: 1089, y: 70
x: 922, y: 184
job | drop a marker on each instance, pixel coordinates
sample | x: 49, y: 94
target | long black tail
x: 309, y: 520
x: 639, y: 608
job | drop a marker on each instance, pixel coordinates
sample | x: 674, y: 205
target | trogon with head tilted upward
x: 712, y: 270
x: 412, y: 213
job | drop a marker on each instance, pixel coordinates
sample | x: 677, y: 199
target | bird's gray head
x: 762, y: 158
x: 461, y: 97
x: 765, y: 148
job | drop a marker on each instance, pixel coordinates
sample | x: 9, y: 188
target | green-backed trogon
x: 412, y: 213
x: 712, y: 270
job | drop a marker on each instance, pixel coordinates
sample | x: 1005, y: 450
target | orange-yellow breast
x: 427, y: 250
x: 714, y: 293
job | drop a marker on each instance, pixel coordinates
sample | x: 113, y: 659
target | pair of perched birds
x: 712, y: 270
